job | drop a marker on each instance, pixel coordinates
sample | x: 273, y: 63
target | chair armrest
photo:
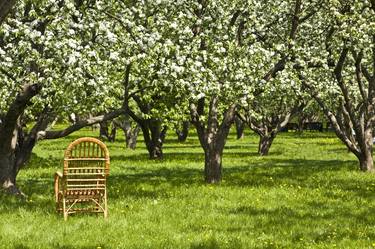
x: 58, y: 176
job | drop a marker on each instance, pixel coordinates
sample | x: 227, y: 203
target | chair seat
x: 83, y: 193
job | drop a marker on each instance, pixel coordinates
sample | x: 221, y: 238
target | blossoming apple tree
x: 50, y: 66
x: 344, y: 84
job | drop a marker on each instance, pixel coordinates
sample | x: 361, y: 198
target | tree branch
x: 79, y: 125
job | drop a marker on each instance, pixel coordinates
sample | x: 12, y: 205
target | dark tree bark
x: 240, y: 127
x: 212, y: 136
x: 265, y: 143
x: 267, y: 128
x: 79, y: 125
x: 112, y: 135
x: 130, y: 132
x: 213, y: 165
x: 183, y: 133
x: 28, y: 140
x: 163, y: 133
x: 131, y: 137
x: 104, y: 133
x: 103, y: 130
x: 9, y: 137
x: 152, y: 130
x: 301, y: 122
x: 152, y: 134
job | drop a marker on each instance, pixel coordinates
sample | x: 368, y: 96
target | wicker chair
x: 82, y: 185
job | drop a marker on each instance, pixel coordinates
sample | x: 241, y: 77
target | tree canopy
x: 163, y: 61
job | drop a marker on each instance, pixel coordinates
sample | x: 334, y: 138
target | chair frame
x: 84, y: 178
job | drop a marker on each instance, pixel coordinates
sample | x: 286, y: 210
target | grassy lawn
x: 306, y: 194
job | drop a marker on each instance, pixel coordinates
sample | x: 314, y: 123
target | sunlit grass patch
x: 306, y: 194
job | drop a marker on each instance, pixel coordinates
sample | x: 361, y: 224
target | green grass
x: 306, y: 194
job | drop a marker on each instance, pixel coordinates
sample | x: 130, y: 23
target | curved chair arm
x: 58, y: 176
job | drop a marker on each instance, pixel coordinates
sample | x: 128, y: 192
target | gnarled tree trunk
x: 104, y: 131
x: 130, y: 132
x: 10, y: 137
x: 366, y: 162
x: 153, y: 137
x: 212, y: 165
x: 8, y: 168
x: 364, y: 154
x: 183, y: 133
x: 268, y: 128
x: 265, y: 142
x: 240, y: 127
x: 213, y: 136
x: 352, y: 123
x: 131, y: 136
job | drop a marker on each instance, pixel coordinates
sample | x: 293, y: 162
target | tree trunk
x: 8, y: 169
x: 366, y: 163
x: 212, y: 165
x: 240, y: 127
x: 265, y: 143
x: 183, y: 133
x: 16, y: 158
x: 155, y: 143
x: 153, y: 137
x: 213, y: 137
x: 131, y: 136
x: 301, y: 122
x: 9, y: 138
x: 155, y: 150
x: 112, y: 136
x: 103, y: 130
x: 130, y: 133
x: 163, y: 134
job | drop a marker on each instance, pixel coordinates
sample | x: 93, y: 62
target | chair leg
x: 105, y: 206
x: 64, y: 210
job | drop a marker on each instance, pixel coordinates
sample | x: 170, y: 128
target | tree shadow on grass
x: 274, y: 172
x: 158, y: 182
x: 323, y: 213
x: 307, y: 135
x: 241, y: 146
x: 265, y: 173
x: 44, y: 162
x: 268, y: 173
x: 186, y: 156
x: 40, y: 198
x: 59, y: 246
x: 182, y: 145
